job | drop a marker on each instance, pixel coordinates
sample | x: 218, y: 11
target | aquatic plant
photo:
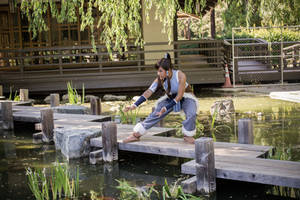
x: 73, y: 96
x: 129, y: 117
x: 16, y: 96
x: 175, y: 191
x: 129, y: 192
x: 169, y: 192
x: 59, y: 183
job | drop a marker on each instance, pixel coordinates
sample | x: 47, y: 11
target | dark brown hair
x: 166, y: 64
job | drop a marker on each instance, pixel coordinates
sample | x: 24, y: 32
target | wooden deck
x: 240, y: 162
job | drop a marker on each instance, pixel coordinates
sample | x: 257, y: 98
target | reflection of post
x: 111, y: 173
x: 245, y: 131
x: 7, y: 115
x: 109, y: 141
x: 205, y: 165
x: 47, y: 124
x: 9, y: 147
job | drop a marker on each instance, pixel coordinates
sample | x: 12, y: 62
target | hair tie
x: 167, y: 56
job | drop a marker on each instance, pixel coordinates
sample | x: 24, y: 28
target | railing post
x: 205, y: 165
x: 95, y: 106
x: 7, y: 115
x: 109, y: 141
x: 60, y: 62
x: 245, y: 131
x: 47, y: 124
x: 54, y: 100
x: 24, y: 95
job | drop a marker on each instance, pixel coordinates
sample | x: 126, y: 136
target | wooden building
x: 63, y: 53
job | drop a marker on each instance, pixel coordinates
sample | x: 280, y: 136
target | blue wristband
x: 171, y: 104
x: 140, y: 101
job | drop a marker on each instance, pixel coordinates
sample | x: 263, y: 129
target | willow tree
x: 118, y: 19
x: 244, y: 13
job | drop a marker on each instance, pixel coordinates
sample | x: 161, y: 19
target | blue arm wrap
x: 171, y: 104
x: 140, y: 101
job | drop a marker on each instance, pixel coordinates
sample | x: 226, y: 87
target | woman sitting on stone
x: 178, y: 97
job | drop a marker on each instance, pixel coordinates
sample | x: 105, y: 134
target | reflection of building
x: 63, y: 53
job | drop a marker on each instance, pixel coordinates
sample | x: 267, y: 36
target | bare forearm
x: 147, y: 93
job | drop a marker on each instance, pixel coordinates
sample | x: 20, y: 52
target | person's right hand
x: 131, y: 107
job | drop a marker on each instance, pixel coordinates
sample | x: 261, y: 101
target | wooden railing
x: 73, y: 59
x: 292, y: 56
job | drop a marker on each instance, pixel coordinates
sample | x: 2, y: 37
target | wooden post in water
x: 54, y: 100
x: 160, y: 123
x: 1, y: 90
x: 95, y: 106
x: 205, y: 165
x: 47, y: 124
x: 7, y: 115
x: 24, y: 95
x: 245, y: 131
x: 109, y: 141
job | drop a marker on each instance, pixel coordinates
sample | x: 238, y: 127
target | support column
x: 24, y: 95
x: 47, y: 124
x: 245, y: 131
x: 7, y: 115
x: 54, y: 100
x: 1, y: 90
x: 96, y: 106
x: 205, y: 165
x: 109, y: 141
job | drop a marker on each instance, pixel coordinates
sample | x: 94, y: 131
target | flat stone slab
x: 257, y: 170
x: 293, y: 96
x: 71, y: 109
x: 74, y: 142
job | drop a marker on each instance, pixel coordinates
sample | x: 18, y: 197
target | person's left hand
x: 162, y: 111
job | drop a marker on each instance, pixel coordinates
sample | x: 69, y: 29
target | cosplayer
x: 178, y: 96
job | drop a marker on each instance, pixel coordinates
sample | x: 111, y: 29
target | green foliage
x: 59, y: 183
x: 16, y: 96
x: 129, y: 117
x: 245, y: 13
x: 120, y: 20
x: 175, y: 191
x: 73, y: 96
x: 270, y: 35
x: 129, y: 192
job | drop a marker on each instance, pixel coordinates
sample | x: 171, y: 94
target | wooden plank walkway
x: 177, y: 147
x: 257, y: 170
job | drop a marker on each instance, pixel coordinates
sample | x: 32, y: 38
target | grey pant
x: 189, y: 107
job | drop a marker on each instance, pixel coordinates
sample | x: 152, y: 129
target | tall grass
x: 59, y: 183
x: 73, y: 96
x: 16, y: 96
x: 168, y: 192
x: 129, y: 117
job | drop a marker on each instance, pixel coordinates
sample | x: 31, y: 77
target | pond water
x: 275, y: 123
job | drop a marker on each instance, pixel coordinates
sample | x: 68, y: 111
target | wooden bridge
x: 242, y: 162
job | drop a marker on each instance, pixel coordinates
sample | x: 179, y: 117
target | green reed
x: 59, y: 183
